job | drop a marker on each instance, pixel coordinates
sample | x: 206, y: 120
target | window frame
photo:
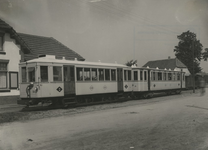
x: 135, y: 75
x: 10, y: 84
x: 47, y: 73
x: 2, y: 43
x: 112, y: 77
x: 5, y: 71
x: 61, y: 73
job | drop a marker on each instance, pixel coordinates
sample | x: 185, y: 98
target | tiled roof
x: 40, y: 45
x: 166, y: 63
x: 4, y: 25
x: 33, y: 45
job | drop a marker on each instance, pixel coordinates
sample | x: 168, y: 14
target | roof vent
x: 147, y: 66
x: 168, y: 57
x: 157, y: 68
x: 165, y: 69
x: 75, y: 59
x: 99, y: 61
x: 63, y: 58
x: 47, y: 56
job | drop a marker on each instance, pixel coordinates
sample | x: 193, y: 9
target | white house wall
x: 13, y: 55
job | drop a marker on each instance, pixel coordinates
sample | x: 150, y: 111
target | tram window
x: 87, y: 74
x: 24, y: 74
x: 125, y: 75
x: 178, y: 76
x: 135, y: 75
x: 164, y: 76
x: 174, y: 77
x: 107, y: 74
x: 44, y: 73
x: 113, y: 75
x: 145, y: 75
x: 79, y: 74
x: 94, y: 74
x: 129, y: 75
x: 31, y: 74
x: 57, y: 73
x: 159, y: 75
x: 153, y: 76
x: 101, y: 74
x: 141, y: 75
x: 169, y: 76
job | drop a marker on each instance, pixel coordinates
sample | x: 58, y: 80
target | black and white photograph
x: 103, y: 74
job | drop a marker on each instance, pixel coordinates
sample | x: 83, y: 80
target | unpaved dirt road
x: 177, y: 124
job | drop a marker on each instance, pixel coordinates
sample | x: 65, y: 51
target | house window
x: 13, y: 82
x: 3, y: 75
x: 1, y: 41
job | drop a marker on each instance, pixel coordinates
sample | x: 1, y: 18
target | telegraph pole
x: 193, y: 74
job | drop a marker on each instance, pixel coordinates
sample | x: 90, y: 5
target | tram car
x: 67, y: 82
x: 153, y: 80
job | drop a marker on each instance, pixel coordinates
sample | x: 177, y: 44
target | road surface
x: 180, y: 123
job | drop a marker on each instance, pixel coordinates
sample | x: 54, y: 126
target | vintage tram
x: 71, y: 82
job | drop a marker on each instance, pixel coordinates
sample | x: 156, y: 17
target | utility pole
x: 193, y: 74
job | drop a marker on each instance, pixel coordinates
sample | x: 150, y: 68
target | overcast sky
x: 111, y: 30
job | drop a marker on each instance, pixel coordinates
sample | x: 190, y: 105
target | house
x: 168, y: 64
x: 18, y: 47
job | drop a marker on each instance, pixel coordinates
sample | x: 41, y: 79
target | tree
x: 131, y: 63
x: 189, y: 51
x: 205, y: 54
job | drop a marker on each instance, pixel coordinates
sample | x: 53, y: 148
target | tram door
x: 69, y: 80
x: 120, y: 79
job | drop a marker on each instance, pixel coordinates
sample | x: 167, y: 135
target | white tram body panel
x: 151, y: 79
x: 140, y: 86
x: 95, y: 88
x: 42, y: 90
x: 164, y: 85
x: 47, y: 77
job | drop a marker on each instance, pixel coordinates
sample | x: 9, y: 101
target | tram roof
x: 74, y: 62
x: 145, y: 68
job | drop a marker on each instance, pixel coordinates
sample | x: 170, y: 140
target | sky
x: 112, y: 30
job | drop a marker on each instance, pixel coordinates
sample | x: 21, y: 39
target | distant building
x: 168, y: 64
x: 18, y: 47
